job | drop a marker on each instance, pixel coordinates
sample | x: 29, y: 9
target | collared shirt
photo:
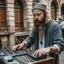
x: 41, y: 38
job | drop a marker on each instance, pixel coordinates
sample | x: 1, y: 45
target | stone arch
x: 18, y: 15
x: 3, y: 19
x: 54, y: 8
x: 55, y: 1
x: 24, y: 2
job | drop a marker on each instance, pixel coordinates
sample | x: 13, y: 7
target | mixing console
x: 23, y: 56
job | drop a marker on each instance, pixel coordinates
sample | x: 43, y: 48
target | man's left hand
x: 42, y: 51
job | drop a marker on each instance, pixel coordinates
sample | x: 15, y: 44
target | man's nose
x: 36, y: 17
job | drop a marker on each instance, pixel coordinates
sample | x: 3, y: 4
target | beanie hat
x: 40, y: 6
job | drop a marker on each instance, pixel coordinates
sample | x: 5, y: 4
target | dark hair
x: 60, y: 18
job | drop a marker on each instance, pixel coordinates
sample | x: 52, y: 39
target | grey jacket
x: 53, y: 35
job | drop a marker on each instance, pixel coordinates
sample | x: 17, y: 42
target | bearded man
x: 46, y: 34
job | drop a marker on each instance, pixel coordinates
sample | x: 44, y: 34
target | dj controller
x: 7, y: 56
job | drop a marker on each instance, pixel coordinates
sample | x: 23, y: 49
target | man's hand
x: 18, y: 46
x: 42, y: 51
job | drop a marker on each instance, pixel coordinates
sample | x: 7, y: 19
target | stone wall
x: 27, y: 15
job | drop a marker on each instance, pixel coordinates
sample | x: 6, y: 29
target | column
x: 28, y: 16
x: 10, y: 21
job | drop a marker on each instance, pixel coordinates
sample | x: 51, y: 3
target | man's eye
x: 38, y: 14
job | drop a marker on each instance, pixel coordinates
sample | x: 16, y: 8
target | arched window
x: 18, y: 16
x: 3, y: 22
x: 62, y: 11
x: 53, y: 10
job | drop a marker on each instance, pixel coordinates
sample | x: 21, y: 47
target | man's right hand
x: 19, y: 46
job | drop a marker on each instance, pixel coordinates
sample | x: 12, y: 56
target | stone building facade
x: 55, y: 9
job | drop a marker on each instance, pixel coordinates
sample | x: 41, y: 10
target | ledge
x: 21, y: 34
x: 4, y: 34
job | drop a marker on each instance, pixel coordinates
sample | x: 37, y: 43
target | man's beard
x: 38, y: 22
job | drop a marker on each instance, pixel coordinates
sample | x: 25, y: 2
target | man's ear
x: 46, y: 12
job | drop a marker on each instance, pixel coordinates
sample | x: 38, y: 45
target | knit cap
x: 40, y: 6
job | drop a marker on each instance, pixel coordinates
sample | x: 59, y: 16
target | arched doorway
x: 53, y: 10
x: 3, y: 21
x: 62, y: 11
x: 18, y: 10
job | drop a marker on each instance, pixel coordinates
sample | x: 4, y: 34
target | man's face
x: 38, y: 16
